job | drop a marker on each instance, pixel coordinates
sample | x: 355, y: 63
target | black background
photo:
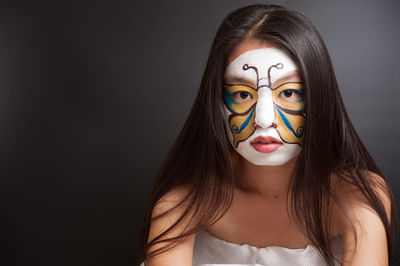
x: 93, y: 93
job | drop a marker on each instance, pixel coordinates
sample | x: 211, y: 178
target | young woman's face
x: 264, y: 103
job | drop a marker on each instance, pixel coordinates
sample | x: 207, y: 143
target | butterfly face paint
x: 263, y: 87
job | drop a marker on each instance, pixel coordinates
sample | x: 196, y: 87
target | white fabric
x: 210, y: 250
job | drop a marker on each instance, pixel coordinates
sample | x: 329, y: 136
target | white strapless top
x: 212, y: 251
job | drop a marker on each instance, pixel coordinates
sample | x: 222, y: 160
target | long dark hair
x: 201, y: 156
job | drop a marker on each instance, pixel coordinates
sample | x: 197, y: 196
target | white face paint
x: 263, y: 86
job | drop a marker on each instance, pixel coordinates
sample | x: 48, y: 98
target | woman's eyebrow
x: 240, y: 81
x: 293, y: 76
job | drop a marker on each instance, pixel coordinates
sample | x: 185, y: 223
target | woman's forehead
x: 262, y: 65
x: 248, y: 45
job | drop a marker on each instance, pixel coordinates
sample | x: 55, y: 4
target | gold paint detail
x: 240, y: 108
x: 241, y: 131
x: 291, y: 130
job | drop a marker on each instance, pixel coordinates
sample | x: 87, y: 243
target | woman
x: 268, y: 167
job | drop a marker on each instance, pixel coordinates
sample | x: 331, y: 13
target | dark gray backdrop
x: 93, y: 93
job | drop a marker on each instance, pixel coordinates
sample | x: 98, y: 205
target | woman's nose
x: 265, y: 114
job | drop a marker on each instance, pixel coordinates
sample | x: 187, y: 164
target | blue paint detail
x: 234, y: 129
x: 246, y: 122
x: 228, y: 98
x: 287, y: 123
x: 301, y: 92
x: 300, y: 100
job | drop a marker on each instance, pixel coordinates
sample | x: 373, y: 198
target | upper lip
x: 263, y: 139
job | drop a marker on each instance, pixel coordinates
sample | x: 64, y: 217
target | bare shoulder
x: 170, y: 211
x: 362, y: 230
x: 171, y: 198
x: 350, y: 197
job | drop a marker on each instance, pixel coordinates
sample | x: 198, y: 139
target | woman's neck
x: 268, y: 182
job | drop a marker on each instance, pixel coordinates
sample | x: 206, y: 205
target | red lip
x: 266, y: 144
x: 265, y: 140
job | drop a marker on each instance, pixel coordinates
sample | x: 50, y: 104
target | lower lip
x: 266, y: 148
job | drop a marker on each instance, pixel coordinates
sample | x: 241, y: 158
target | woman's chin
x: 268, y: 155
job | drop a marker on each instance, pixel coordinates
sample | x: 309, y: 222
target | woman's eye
x: 242, y: 96
x: 290, y: 95
x: 287, y: 93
